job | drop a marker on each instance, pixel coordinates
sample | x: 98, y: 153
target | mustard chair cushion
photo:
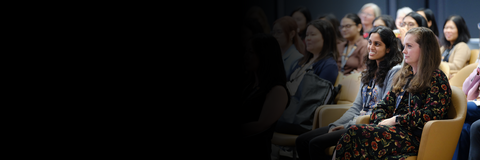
x: 474, y: 55
x: 461, y: 75
x: 347, y: 94
x: 445, y: 69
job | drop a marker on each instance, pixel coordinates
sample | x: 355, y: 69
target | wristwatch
x: 397, y: 121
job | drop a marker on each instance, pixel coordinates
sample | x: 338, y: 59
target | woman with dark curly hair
x: 376, y: 80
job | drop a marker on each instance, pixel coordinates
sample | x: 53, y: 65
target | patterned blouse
x: 372, y: 102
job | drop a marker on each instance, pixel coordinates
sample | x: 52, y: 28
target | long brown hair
x: 428, y: 62
x: 329, y: 48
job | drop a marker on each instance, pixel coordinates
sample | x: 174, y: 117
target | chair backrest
x: 474, y: 55
x: 458, y: 105
x: 339, y: 78
x: 349, y: 89
x: 445, y: 69
x: 461, y: 75
x: 440, y: 137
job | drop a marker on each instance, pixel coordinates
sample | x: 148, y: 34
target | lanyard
x: 369, y: 91
x: 446, y: 54
x: 400, y: 96
x: 345, y: 56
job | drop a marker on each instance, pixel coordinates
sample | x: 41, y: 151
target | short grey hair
x: 376, y: 9
x: 404, y: 10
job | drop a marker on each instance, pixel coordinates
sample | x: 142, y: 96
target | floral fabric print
x: 373, y: 99
x: 372, y: 141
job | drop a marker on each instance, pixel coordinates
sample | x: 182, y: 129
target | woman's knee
x: 302, y: 139
x: 475, y: 128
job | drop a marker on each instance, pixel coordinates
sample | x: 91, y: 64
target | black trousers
x: 312, y: 145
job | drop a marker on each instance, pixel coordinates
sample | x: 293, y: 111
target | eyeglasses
x: 345, y: 26
x: 365, y: 14
x: 410, y: 24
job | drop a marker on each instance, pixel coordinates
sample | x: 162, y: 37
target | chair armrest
x: 448, y: 131
x: 326, y: 114
x: 363, y: 120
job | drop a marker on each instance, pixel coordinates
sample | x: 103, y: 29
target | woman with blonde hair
x: 420, y: 93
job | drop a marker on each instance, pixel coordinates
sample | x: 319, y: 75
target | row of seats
x: 433, y: 146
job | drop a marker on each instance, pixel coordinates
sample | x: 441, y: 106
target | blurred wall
x: 468, y: 9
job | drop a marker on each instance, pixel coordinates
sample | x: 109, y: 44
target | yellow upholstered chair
x: 461, y: 75
x: 474, y: 56
x: 440, y: 137
x: 347, y: 93
x: 327, y: 114
x: 339, y: 78
x: 445, y: 69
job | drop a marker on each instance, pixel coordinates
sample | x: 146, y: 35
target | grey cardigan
x: 347, y: 118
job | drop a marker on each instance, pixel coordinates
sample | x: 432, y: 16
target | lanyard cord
x: 345, y: 56
x: 400, y: 96
x: 369, y: 94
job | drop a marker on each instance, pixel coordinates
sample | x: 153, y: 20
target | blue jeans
x: 463, y: 145
x: 475, y: 140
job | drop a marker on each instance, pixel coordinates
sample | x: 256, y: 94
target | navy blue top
x: 325, y: 68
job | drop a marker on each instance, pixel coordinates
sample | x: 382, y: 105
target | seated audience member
x: 431, y: 22
x: 384, y: 20
x: 471, y: 84
x: 401, y: 14
x: 411, y: 20
x: 292, y: 47
x: 265, y: 96
x: 455, y: 50
x: 396, y: 122
x: 321, y: 53
x: 302, y: 16
x: 367, y: 13
x: 354, y: 48
x: 471, y: 89
x: 376, y: 81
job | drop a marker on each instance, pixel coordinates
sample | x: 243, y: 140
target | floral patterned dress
x: 372, y: 141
